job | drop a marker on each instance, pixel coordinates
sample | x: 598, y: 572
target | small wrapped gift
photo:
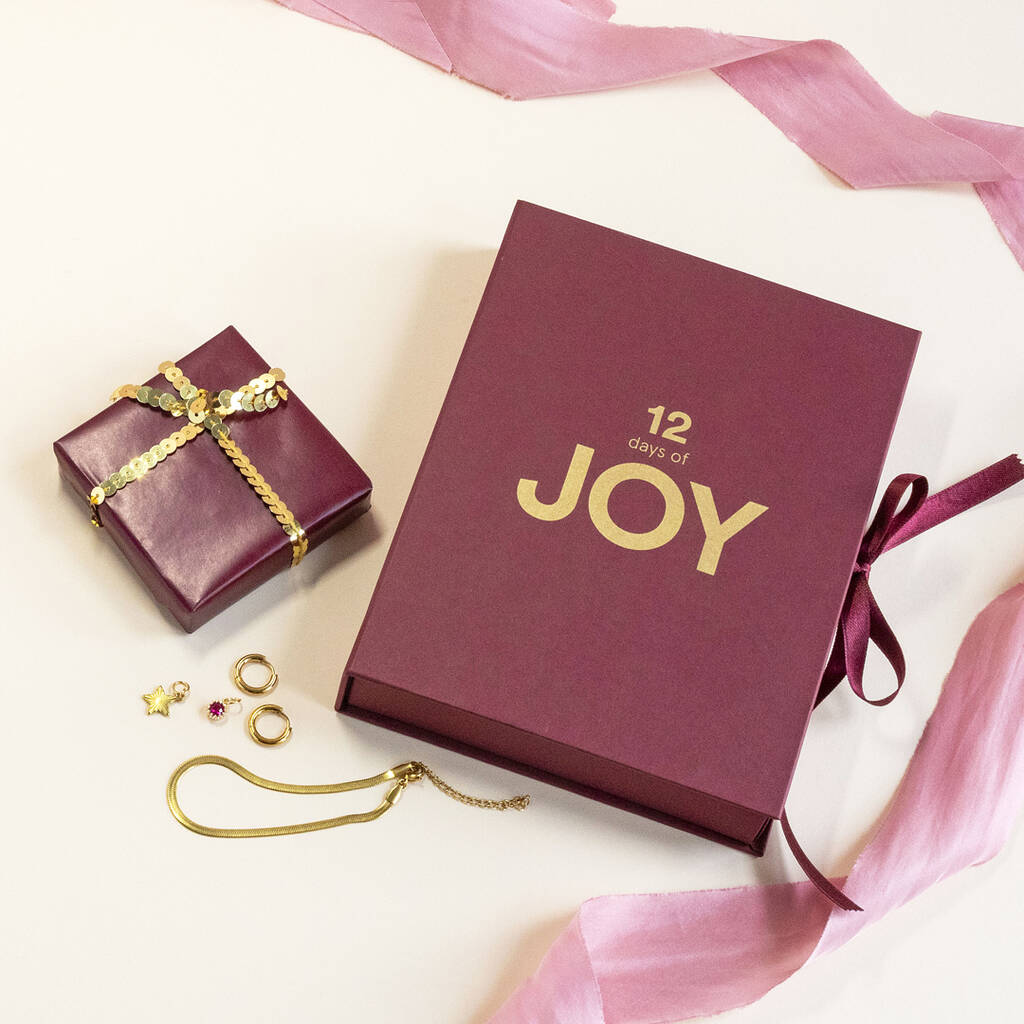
x: 211, y: 477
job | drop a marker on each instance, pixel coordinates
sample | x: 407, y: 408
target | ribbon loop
x: 865, y: 622
x: 888, y: 521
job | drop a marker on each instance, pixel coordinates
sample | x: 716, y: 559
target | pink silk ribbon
x: 815, y: 91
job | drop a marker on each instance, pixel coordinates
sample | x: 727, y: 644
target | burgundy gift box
x: 625, y: 553
x: 192, y: 528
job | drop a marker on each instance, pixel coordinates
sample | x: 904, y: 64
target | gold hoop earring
x: 269, y: 709
x: 254, y: 659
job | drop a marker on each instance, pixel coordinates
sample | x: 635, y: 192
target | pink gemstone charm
x: 217, y: 710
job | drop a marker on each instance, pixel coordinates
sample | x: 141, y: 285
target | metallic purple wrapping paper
x: 193, y: 529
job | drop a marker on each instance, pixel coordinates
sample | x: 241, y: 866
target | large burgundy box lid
x: 564, y: 622
x: 193, y: 528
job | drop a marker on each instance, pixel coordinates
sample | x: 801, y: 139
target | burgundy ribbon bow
x: 861, y: 621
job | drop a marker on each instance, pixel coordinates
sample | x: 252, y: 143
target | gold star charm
x: 159, y: 701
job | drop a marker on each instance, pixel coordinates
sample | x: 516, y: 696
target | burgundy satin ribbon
x: 861, y: 621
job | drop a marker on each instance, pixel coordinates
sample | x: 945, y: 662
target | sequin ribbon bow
x: 207, y: 412
x: 861, y: 621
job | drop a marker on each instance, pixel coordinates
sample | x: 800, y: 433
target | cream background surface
x: 168, y: 169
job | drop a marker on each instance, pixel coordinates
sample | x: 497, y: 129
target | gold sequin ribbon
x: 205, y: 412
